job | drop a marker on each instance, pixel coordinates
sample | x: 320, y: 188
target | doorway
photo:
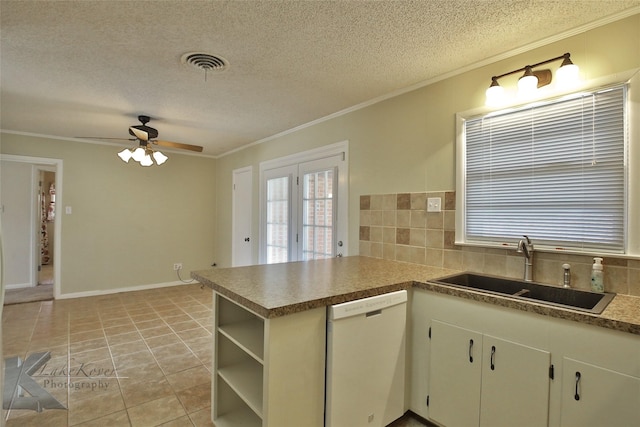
x: 30, y: 197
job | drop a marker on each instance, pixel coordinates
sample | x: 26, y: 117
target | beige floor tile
x: 150, y: 324
x: 155, y: 332
x: 190, y: 378
x: 173, y: 365
x: 52, y: 417
x: 117, y: 419
x: 92, y: 344
x: 137, y: 392
x: 120, y: 329
x: 183, y: 326
x: 179, y: 422
x: 128, y: 348
x: 178, y: 318
x: 196, y: 397
x: 163, y: 340
x: 202, y: 418
x: 91, y: 355
x: 100, y: 405
x: 156, y: 412
x: 170, y: 351
x: 100, y: 332
x: 118, y: 321
x: 194, y: 333
x: 123, y: 338
x: 86, y: 335
x: 134, y: 359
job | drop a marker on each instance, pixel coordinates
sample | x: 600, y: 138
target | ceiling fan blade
x: 178, y: 145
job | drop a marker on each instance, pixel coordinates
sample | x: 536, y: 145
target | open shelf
x: 248, y: 335
x: 245, y: 379
x: 232, y: 410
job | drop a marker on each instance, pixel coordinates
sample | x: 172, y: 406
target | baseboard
x: 120, y: 290
x: 19, y: 286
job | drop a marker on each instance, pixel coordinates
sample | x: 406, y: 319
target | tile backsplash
x: 398, y: 227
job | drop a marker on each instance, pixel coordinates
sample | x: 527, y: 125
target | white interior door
x: 241, y: 243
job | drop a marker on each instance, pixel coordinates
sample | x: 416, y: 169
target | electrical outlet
x: 177, y: 266
x: 434, y: 204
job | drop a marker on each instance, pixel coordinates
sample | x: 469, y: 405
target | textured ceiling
x: 88, y: 68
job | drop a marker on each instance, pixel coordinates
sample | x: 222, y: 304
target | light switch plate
x: 434, y: 204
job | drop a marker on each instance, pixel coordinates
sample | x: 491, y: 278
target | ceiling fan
x: 147, y: 136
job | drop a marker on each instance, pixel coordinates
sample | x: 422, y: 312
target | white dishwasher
x: 365, y: 361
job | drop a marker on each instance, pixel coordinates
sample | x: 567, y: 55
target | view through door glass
x: 300, y: 207
x: 278, y: 213
x: 318, y: 214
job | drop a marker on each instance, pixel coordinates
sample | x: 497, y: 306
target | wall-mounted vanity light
x: 531, y: 80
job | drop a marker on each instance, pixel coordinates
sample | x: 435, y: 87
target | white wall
x: 17, y: 231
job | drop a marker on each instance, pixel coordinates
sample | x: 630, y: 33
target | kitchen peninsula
x: 270, y: 329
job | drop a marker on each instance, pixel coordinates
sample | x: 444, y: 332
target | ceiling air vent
x: 205, y: 62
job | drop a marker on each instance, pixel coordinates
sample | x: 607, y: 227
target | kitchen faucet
x: 525, y: 247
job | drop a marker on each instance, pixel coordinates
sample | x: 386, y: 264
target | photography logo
x: 21, y: 391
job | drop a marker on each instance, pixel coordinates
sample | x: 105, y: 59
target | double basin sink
x: 574, y: 299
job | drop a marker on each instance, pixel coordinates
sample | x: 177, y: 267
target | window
x: 304, y: 206
x: 554, y: 171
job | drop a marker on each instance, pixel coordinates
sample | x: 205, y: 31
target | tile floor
x: 132, y: 359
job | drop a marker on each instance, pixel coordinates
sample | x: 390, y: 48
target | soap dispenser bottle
x: 597, y: 280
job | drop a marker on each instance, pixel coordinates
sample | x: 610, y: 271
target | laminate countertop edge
x: 281, y: 289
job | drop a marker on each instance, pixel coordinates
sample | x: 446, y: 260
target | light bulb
x: 146, y: 160
x: 125, y: 155
x: 495, y: 95
x: 159, y: 157
x: 568, y: 75
x: 138, y: 154
x: 527, y: 84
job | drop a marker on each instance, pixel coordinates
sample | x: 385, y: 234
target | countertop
x: 280, y: 289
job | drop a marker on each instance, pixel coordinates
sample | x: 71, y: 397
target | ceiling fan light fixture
x: 138, y: 154
x: 159, y: 157
x: 146, y: 160
x: 125, y: 155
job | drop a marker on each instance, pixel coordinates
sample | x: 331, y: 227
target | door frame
x: 55, y: 165
x: 330, y: 150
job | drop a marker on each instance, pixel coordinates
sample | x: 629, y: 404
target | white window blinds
x: 555, y: 172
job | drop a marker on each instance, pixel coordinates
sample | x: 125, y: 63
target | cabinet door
x: 595, y: 396
x: 454, y: 370
x: 515, y: 384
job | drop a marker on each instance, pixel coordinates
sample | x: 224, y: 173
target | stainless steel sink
x: 575, y: 299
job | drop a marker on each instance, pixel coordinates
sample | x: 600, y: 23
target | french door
x: 302, y: 211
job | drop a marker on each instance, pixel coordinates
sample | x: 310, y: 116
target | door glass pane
x: 278, y: 220
x: 317, y: 215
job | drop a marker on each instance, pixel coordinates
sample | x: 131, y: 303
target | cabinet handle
x: 577, y: 395
x: 470, y: 351
x: 493, y: 357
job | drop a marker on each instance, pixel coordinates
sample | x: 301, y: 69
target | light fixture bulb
x: 568, y: 75
x: 494, y: 94
x: 138, y: 154
x: 527, y: 84
x: 125, y: 155
x: 146, y: 160
x: 159, y: 157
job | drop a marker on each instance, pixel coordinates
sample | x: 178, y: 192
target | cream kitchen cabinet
x: 481, y: 380
x: 593, y: 396
x: 267, y: 372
